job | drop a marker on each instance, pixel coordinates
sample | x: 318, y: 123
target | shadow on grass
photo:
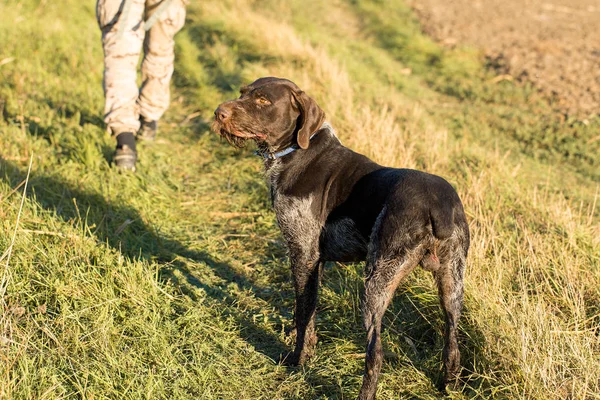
x: 122, y: 227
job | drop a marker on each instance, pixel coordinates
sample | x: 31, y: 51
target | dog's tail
x: 442, y: 227
x: 446, y: 213
x: 442, y: 222
x: 445, y: 222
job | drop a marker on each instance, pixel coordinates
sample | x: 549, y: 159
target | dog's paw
x: 450, y: 384
x: 295, y: 359
x: 291, y: 359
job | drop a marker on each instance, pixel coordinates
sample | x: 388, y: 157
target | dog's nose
x: 222, y: 114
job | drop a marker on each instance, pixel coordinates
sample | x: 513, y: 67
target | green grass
x: 173, y: 282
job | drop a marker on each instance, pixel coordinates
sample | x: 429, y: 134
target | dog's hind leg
x: 387, y: 265
x: 449, y: 279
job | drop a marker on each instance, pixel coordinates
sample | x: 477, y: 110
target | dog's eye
x: 262, y: 100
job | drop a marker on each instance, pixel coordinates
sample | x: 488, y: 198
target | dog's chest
x: 297, y: 222
x: 304, y: 227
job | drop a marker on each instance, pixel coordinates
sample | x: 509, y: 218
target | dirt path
x: 553, y: 43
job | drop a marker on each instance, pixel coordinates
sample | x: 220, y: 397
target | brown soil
x: 553, y: 43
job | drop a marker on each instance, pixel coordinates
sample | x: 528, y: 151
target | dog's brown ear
x: 311, y: 118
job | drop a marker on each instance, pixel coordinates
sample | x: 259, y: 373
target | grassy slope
x: 172, y: 283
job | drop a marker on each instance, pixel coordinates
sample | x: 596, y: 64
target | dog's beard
x: 232, y: 139
x: 239, y: 140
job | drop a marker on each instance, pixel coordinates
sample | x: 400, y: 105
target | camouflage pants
x: 125, y: 102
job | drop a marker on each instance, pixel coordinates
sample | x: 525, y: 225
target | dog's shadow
x: 106, y: 220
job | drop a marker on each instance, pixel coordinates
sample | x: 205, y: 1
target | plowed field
x: 555, y: 45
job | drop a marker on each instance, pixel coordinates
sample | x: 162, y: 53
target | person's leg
x: 157, y: 66
x: 121, y: 55
x: 122, y: 46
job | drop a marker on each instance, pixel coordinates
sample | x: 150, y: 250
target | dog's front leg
x: 301, y: 229
x: 305, y: 269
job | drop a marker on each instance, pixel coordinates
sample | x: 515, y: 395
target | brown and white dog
x: 333, y: 204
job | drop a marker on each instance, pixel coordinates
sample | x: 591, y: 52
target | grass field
x: 173, y: 282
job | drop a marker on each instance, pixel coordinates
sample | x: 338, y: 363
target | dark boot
x: 147, y: 130
x: 125, y: 154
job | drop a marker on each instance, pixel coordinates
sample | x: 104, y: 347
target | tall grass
x: 172, y: 283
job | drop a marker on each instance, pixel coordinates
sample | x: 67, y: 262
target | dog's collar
x: 278, y: 154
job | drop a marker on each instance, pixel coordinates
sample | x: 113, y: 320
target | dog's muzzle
x: 224, y: 125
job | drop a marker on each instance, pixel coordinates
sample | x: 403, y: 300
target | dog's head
x: 272, y: 111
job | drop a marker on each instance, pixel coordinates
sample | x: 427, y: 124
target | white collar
x: 273, y: 156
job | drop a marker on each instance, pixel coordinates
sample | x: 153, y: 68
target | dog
x: 333, y: 204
